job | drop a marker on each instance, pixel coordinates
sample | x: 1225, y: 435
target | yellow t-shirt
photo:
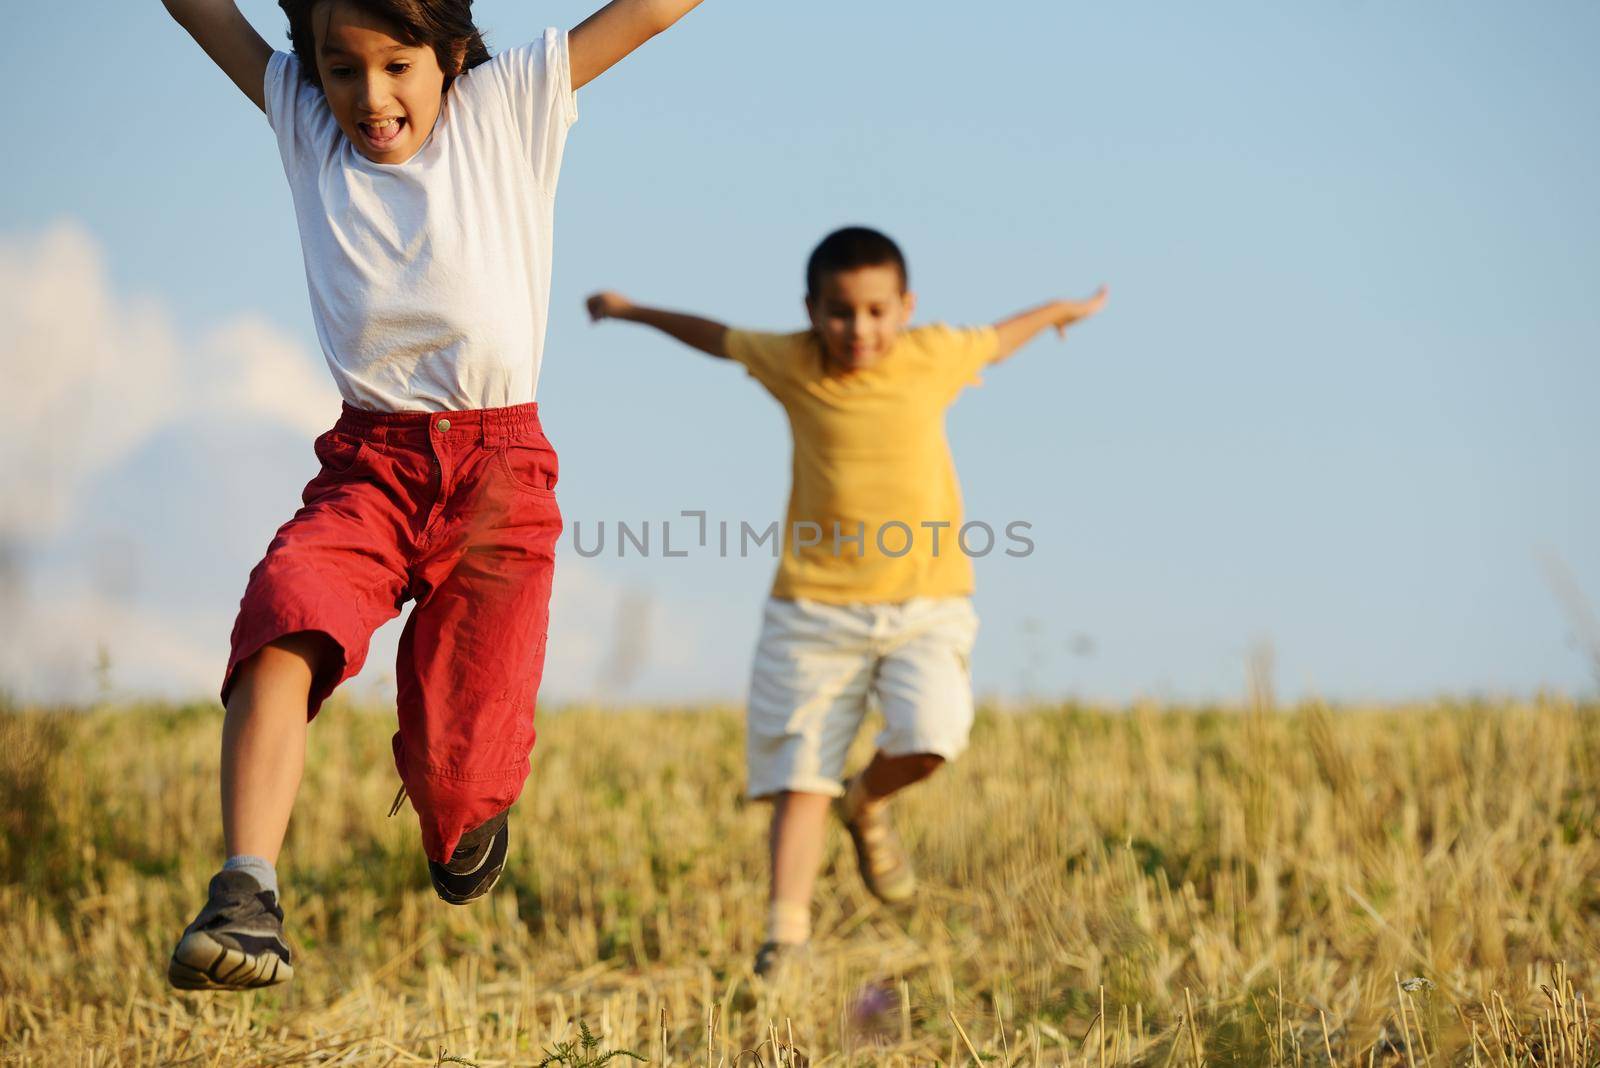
x: 873, y: 478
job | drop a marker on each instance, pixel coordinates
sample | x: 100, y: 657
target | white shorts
x: 818, y: 664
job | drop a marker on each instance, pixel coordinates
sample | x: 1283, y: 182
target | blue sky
x: 1341, y: 402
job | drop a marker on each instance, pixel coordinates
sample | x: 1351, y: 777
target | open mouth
x: 382, y: 134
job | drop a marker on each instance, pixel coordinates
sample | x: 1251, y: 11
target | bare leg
x: 264, y: 742
x: 799, y: 822
x: 885, y: 867
x: 888, y: 775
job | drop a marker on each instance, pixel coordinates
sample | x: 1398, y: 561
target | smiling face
x: 858, y: 313
x: 384, y: 92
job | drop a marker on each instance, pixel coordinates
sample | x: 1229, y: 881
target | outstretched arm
x: 229, y: 39
x: 1020, y: 329
x: 599, y: 41
x: 709, y: 337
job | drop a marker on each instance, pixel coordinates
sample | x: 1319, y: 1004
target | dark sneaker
x: 776, y: 959
x: 885, y: 866
x: 236, y: 943
x: 475, y: 866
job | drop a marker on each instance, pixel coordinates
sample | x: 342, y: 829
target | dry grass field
x: 1388, y: 886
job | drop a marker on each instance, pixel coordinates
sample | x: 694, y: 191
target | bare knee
x: 288, y: 664
x: 914, y: 767
x: 887, y: 775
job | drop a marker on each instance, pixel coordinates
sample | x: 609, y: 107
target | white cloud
x: 147, y: 652
x: 95, y: 374
x: 252, y: 368
x: 98, y: 379
x: 91, y: 375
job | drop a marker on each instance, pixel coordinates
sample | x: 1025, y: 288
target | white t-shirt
x: 430, y: 279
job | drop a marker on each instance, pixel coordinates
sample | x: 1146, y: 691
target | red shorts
x: 456, y: 511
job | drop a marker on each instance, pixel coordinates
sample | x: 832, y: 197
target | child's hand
x: 703, y: 334
x: 1067, y: 312
x: 608, y: 305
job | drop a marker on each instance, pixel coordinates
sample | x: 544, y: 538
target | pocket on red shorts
x: 338, y: 452
x: 531, y: 466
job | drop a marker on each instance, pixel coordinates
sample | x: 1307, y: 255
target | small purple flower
x: 871, y: 1009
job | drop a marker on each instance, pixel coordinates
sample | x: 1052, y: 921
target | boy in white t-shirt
x: 423, y: 174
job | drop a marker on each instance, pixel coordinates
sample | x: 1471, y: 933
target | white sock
x: 258, y: 868
x: 789, y: 923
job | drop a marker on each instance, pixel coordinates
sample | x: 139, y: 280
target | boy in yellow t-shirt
x: 872, y: 595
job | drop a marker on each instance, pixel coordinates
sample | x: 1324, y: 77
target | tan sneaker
x: 884, y: 866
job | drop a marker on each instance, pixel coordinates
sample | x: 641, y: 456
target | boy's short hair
x: 446, y: 26
x: 852, y: 247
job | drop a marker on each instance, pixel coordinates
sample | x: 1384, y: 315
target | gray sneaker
x: 475, y: 866
x: 236, y: 943
x: 776, y: 959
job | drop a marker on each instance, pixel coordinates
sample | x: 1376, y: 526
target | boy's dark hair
x: 852, y: 247
x: 446, y: 26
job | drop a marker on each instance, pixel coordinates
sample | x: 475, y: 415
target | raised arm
x: 709, y: 337
x: 229, y: 39
x: 1021, y: 328
x: 599, y: 41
